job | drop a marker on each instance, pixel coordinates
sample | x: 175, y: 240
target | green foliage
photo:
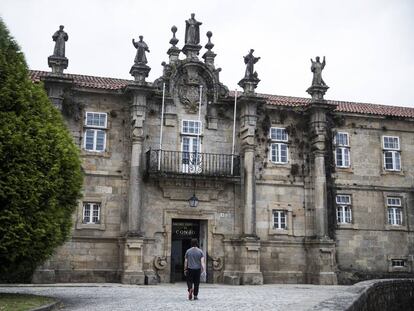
x: 40, y: 174
x: 22, y: 302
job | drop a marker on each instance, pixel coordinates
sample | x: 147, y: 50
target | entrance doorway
x: 183, y: 230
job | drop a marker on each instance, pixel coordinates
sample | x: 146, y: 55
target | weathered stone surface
x: 133, y: 241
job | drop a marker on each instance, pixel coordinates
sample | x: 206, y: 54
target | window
x: 342, y: 150
x: 392, y: 156
x: 95, y: 132
x: 398, y: 263
x: 343, y: 209
x: 279, y: 220
x: 394, y: 211
x: 191, y: 147
x: 278, y: 147
x: 191, y: 127
x: 96, y: 119
x: 91, y: 213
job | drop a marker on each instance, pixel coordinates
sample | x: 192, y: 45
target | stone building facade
x: 315, y: 191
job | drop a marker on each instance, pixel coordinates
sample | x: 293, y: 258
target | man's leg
x: 190, y: 281
x: 196, y: 280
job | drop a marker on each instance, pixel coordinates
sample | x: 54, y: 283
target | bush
x: 40, y: 173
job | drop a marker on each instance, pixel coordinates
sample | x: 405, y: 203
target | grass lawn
x: 21, y: 302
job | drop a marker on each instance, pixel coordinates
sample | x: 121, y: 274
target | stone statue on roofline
x: 250, y: 80
x: 58, y: 61
x: 317, y: 68
x: 60, y: 37
x: 250, y: 60
x: 192, y: 31
x: 140, y: 69
x: 141, y: 47
x: 318, y: 88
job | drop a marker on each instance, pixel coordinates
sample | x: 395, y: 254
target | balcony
x: 191, y: 164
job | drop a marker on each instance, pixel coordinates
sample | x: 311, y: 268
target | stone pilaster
x: 132, y: 272
x: 250, y: 244
x: 318, y: 128
x: 133, y: 241
x: 318, y: 111
x: 137, y: 119
x: 56, y: 85
x: 248, y: 120
x: 250, y: 262
x: 321, y: 263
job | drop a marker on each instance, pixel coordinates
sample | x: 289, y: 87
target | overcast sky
x: 369, y: 45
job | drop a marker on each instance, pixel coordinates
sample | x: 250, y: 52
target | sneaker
x: 195, y: 298
x: 190, y: 294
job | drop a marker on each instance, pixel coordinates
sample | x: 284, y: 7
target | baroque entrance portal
x: 183, y: 230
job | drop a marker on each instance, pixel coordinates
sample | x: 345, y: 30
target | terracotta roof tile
x: 86, y: 81
x: 343, y: 106
x: 277, y: 100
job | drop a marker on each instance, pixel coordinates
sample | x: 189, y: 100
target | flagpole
x: 199, y: 116
x: 234, y: 130
x: 162, y: 123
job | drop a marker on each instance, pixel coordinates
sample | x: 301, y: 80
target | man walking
x: 194, y: 265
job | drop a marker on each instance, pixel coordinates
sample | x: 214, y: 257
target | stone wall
x: 366, y: 247
x: 384, y: 295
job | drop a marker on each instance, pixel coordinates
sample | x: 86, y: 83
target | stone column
x: 318, y: 127
x: 320, y: 268
x: 248, y: 125
x: 318, y: 110
x: 134, y: 237
x: 250, y: 244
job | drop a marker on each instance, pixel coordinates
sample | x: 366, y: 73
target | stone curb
x: 49, y: 307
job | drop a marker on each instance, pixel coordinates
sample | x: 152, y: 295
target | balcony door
x: 191, y: 155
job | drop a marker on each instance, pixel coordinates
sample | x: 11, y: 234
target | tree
x: 40, y: 172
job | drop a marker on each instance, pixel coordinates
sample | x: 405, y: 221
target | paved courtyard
x: 110, y: 297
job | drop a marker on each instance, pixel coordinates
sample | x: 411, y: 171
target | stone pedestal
x: 132, y: 261
x: 173, y: 54
x: 140, y: 72
x: 317, y: 91
x: 57, y: 63
x: 321, y: 264
x: 191, y: 51
x: 209, y: 58
x: 56, y: 85
x: 249, y: 85
x: 250, y: 262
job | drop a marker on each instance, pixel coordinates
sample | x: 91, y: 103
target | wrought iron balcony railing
x: 164, y: 162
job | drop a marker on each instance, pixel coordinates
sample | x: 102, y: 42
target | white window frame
x: 343, y: 209
x: 278, y: 216
x: 191, y: 168
x: 395, y: 153
x: 200, y: 128
x: 277, y: 144
x: 344, y: 149
x: 87, y: 113
x: 91, y: 207
x: 394, y: 211
x: 95, y: 140
x: 95, y: 129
